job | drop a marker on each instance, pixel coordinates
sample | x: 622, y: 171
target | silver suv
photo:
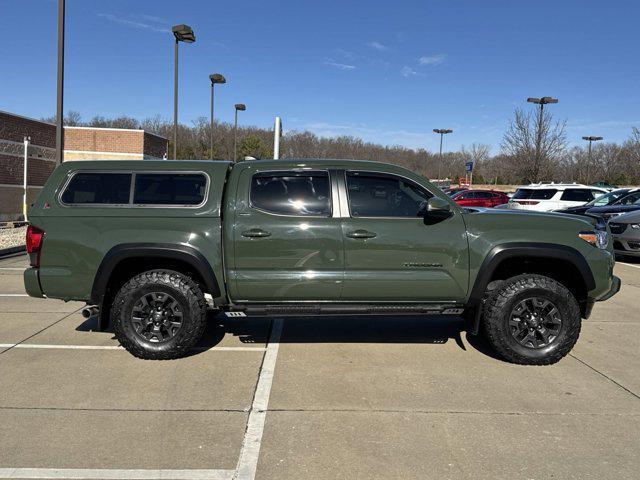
x: 626, y: 234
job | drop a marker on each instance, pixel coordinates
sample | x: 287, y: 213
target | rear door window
x: 292, y: 193
x: 577, y: 195
x: 97, y: 188
x: 534, y: 194
x: 169, y: 189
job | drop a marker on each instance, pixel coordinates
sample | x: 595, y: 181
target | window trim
x: 301, y: 173
x: 133, y: 174
x: 381, y: 174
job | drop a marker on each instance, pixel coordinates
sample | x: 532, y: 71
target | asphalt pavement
x: 314, y: 398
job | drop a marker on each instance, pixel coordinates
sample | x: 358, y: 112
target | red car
x: 480, y: 198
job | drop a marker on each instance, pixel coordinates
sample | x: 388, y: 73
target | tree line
x: 533, y: 149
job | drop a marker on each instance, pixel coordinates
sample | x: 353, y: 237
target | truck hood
x: 552, y: 217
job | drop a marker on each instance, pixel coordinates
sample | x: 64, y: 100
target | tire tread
x: 191, y: 331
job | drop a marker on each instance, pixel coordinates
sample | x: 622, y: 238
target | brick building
x: 81, y: 143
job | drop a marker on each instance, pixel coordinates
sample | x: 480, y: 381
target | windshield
x: 534, y: 194
x: 607, y: 199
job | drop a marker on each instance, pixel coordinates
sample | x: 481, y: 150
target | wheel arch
x: 175, y: 254
x: 565, y: 260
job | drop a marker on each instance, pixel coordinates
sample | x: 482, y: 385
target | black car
x: 604, y: 201
x: 626, y: 204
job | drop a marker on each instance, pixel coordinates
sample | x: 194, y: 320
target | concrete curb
x: 11, y: 250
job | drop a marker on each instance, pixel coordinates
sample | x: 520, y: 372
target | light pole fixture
x: 182, y: 33
x: 242, y: 107
x: 442, y: 132
x: 60, y: 86
x: 542, y: 101
x: 215, y: 78
x: 591, y: 139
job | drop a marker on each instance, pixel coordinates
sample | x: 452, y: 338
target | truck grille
x: 617, y: 227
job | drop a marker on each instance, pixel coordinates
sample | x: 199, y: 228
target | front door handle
x: 256, y: 233
x: 361, y: 234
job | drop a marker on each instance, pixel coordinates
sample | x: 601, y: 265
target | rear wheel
x: 159, y: 314
x: 531, y: 320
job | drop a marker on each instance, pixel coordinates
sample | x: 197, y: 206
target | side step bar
x: 342, y: 309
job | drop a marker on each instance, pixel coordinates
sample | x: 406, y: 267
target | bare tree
x: 534, y: 143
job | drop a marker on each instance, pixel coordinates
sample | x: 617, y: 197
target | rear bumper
x: 32, y: 283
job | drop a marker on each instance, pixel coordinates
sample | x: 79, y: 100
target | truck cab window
x: 292, y: 193
x: 373, y: 195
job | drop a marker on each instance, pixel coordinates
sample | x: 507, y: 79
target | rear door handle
x: 256, y: 233
x: 361, y: 234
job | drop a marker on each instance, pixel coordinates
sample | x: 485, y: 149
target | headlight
x: 598, y: 239
x: 635, y: 225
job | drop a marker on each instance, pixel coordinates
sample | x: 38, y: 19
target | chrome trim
x: 73, y: 173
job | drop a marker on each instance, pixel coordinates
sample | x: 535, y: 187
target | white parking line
x: 108, y: 474
x: 118, y: 347
x: 628, y: 264
x: 13, y: 295
x: 248, y: 462
x: 13, y: 268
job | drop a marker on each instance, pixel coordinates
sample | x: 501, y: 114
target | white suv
x: 545, y: 197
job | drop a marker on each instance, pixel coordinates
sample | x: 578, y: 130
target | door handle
x: 361, y: 234
x: 256, y: 233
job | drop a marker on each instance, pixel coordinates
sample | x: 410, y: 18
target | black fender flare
x: 183, y: 253
x: 505, y: 251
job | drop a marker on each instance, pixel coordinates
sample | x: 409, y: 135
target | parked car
x: 546, y: 197
x: 626, y: 234
x: 628, y: 203
x: 455, y: 190
x: 480, y: 198
x: 610, y: 198
x: 151, y: 245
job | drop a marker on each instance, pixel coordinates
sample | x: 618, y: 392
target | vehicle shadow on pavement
x: 437, y: 329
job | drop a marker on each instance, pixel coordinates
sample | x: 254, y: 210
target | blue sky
x: 386, y: 71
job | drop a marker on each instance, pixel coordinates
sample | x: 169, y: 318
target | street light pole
x: 542, y: 102
x: 175, y: 100
x: 442, y: 132
x: 25, y: 169
x: 182, y: 33
x: 242, y: 107
x: 215, y: 78
x: 60, y: 86
x: 591, y: 139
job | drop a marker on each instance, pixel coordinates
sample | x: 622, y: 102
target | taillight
x: 34, y: 244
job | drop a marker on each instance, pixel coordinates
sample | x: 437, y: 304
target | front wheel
x: 531, y: 320
x: 159, y: 315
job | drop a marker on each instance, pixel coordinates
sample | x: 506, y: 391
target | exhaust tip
x: 89, y: 312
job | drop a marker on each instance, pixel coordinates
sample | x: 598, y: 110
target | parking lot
x: 320, y: 398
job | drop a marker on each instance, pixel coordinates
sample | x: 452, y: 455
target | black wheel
x: 159, y: 314
x: 531, y: 320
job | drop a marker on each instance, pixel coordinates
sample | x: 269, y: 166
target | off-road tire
x: 189, y: 297
x: 499, y: 303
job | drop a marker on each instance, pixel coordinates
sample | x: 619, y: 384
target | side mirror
x: 436, y: 210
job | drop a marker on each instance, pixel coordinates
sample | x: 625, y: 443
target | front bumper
x: 615, y: 288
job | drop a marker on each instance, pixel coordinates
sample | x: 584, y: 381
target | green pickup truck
x: 150, y: 246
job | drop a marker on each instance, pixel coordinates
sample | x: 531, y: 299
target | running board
x: 298, y: 309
